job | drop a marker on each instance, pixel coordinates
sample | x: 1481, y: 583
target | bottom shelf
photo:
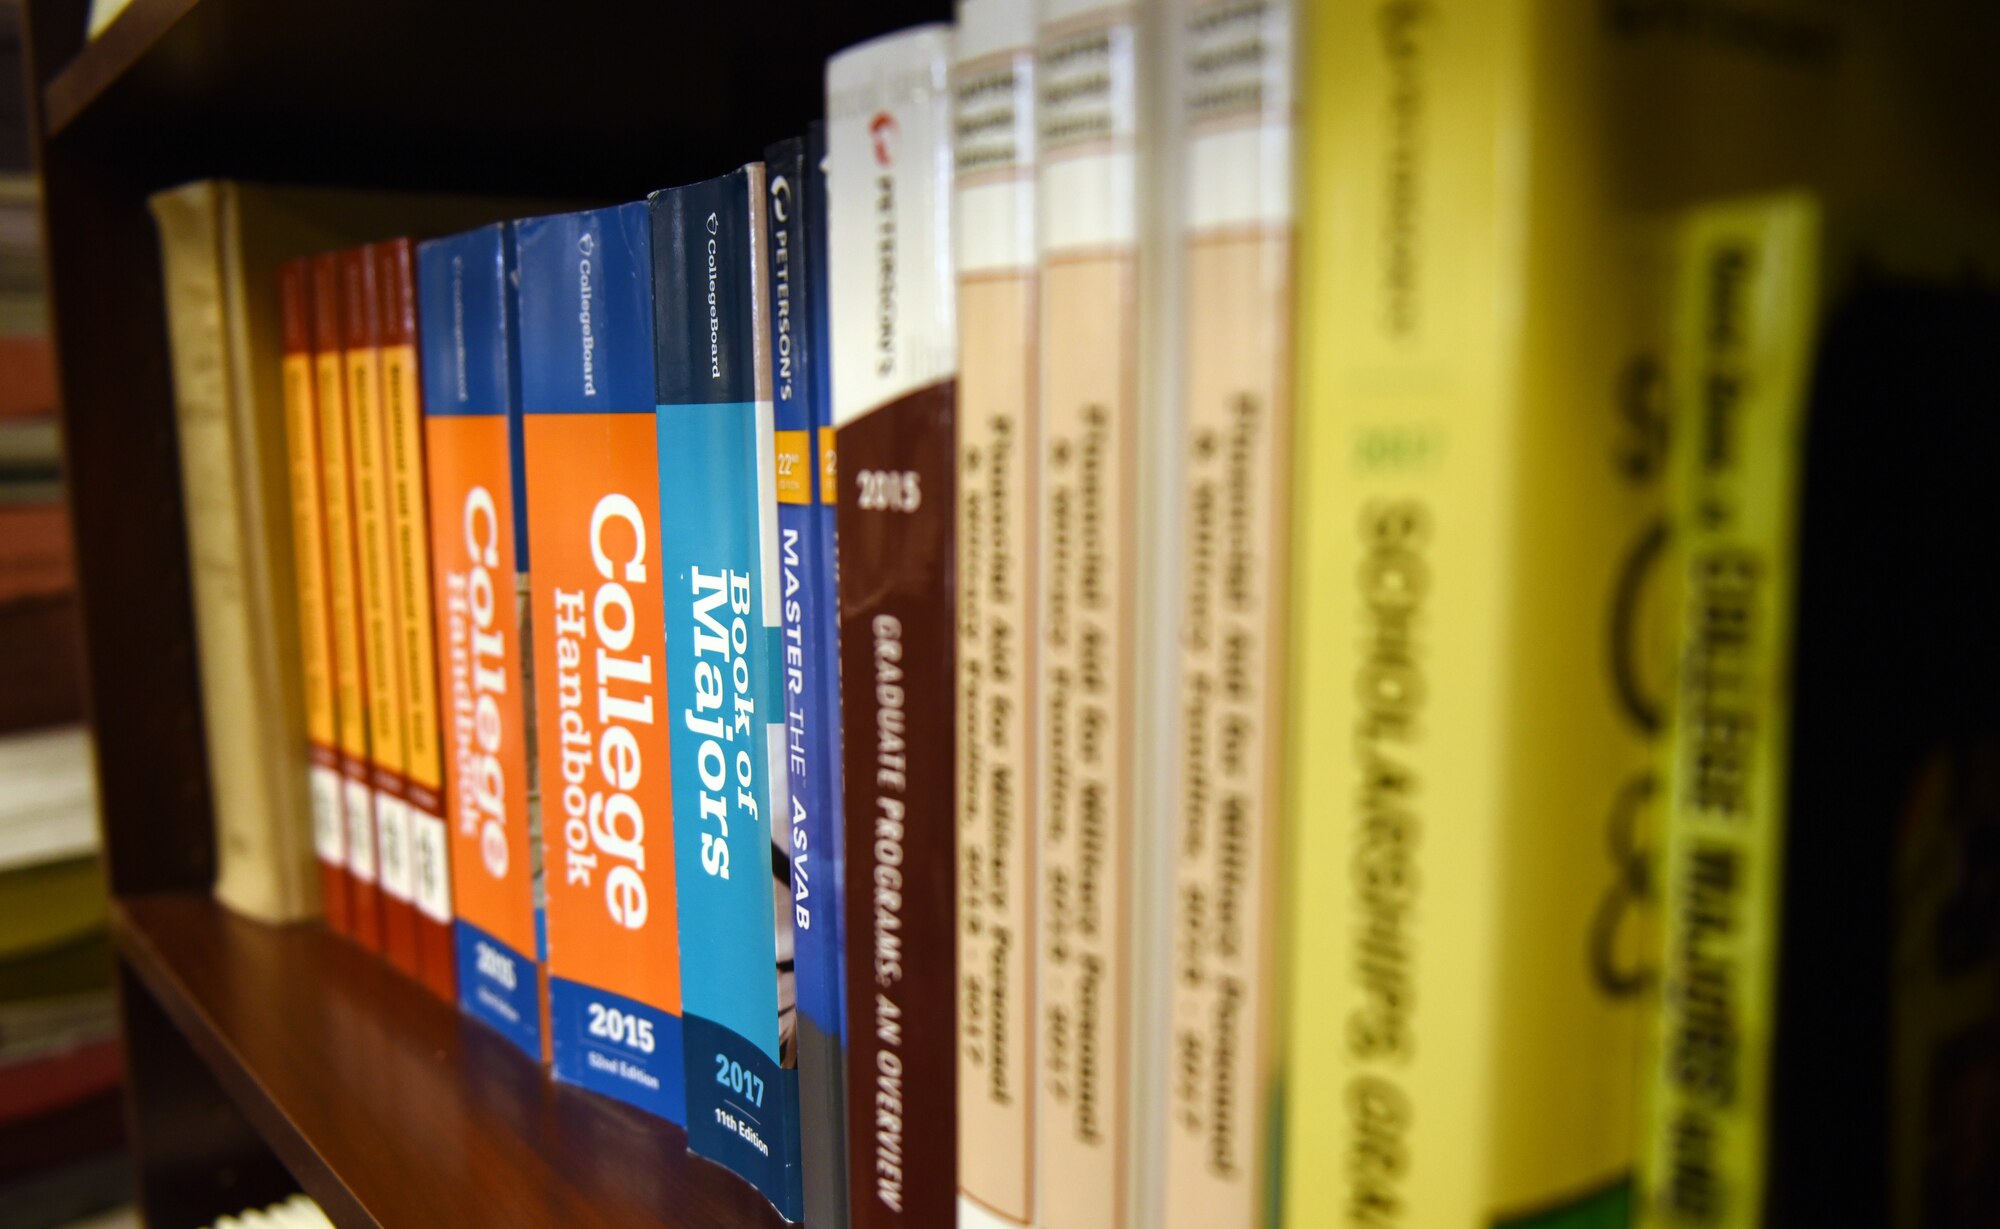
x: 388, y: 1107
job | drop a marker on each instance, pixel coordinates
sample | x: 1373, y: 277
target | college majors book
x: 719, y: 539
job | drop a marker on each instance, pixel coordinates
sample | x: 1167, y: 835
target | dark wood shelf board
x: 388, y: 1106
x: 594, y: 98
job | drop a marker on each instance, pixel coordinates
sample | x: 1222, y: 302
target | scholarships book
x: 309, y: 564
x: 369, y: 442
x: 343, y: 568
x: 894, y: 358
x: 599, y: 593
x: 468, y: 320
x: 1092, y: 974
x: 1478, y: 611
x: 999, y: 440
x: 719, y: 542
x: 1830, y: 974
x: 429, y: 869
x: 1233, y: 79
x: 795, y: 187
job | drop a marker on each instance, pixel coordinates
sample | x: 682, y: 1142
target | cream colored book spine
x: 993, y: 101
x: 222, y: 322
x: 1088, y: 190
x: 1220, y: 1067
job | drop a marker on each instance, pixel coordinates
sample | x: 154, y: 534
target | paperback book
x: 1090, y: 192
x: 724, y: 649
x: 999, y: 441
x: 599, y: 599
x: 343, y: 554
x: 795, y: 187
x: 469, y: 323
x: 309, y: 563
x: 368, y: 435
x: 1232, y: 79
x: 428, y: 871
x: 894, y: 358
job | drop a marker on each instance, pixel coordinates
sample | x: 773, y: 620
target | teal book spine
x: 724, y: 652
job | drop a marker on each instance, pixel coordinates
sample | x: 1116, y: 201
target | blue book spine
x: 599, y: 595
x: 724, y: 657
x: 812, y: 683
x: 473, y: 452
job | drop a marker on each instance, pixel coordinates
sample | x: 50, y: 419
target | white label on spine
x: 889, y: 219
x: 1089, y: 121
x: 361, y: 831
x: 392, y: 824
x: 1238, y: 100
x: 329, y: 832
x: 431, y: 865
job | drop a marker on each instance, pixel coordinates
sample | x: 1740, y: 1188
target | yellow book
x: 1478, y: 656
x: 1835, y: 727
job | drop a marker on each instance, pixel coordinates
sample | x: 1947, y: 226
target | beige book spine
x: 235, y: 482
x: 1087, y: 187
x: 1220, y: 1071
x: 993, y: 100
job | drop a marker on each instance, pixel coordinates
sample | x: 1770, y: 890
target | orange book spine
x: 344, y: 604
x: 374, y: 496
x: 310, y: 564
x: 410, y: 566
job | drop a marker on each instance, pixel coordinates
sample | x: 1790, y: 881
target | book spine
x: 719, y: 536
x: 1087, y: 71
x: 1233, y: 83
x: 410, y: 565
x: 796, y: 209
x: 1745, y: 309
x: 999, y: 440
x: 309, y: 562
x: 471, y: 400
x: 343, y: 552
x: 1472, y: 779
x: 599, y: 587
x: 374, y: 500
x: 894, y: 358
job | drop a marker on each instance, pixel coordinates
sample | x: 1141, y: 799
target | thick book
x: 469, y: 323
x: 1477, y: 591
x: 1097, y: 989
x: 1829, y: 968
x: 1232, y: 81
x: 368, y: 440
x: 795, y: 188
x: 599, y: 593
x: 894, y: 358
x: 343, y: 573
x: 724, y: 653
x: 429, y: 870
x: 999, y: 459
x: 309, y: 567
x: 219, y: 254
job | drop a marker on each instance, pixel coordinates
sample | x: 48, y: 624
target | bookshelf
x: 262, y: 1058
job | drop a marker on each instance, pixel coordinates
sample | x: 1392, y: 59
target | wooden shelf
x: 260, y: 1058
x: 392, y: 1109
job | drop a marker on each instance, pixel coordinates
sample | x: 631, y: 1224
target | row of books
x: 1199, y: 615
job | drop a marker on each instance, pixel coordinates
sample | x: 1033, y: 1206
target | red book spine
x: 416, y: 637
x: 343, y: 550
x: 309, y: 561
x: 374, y: 501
